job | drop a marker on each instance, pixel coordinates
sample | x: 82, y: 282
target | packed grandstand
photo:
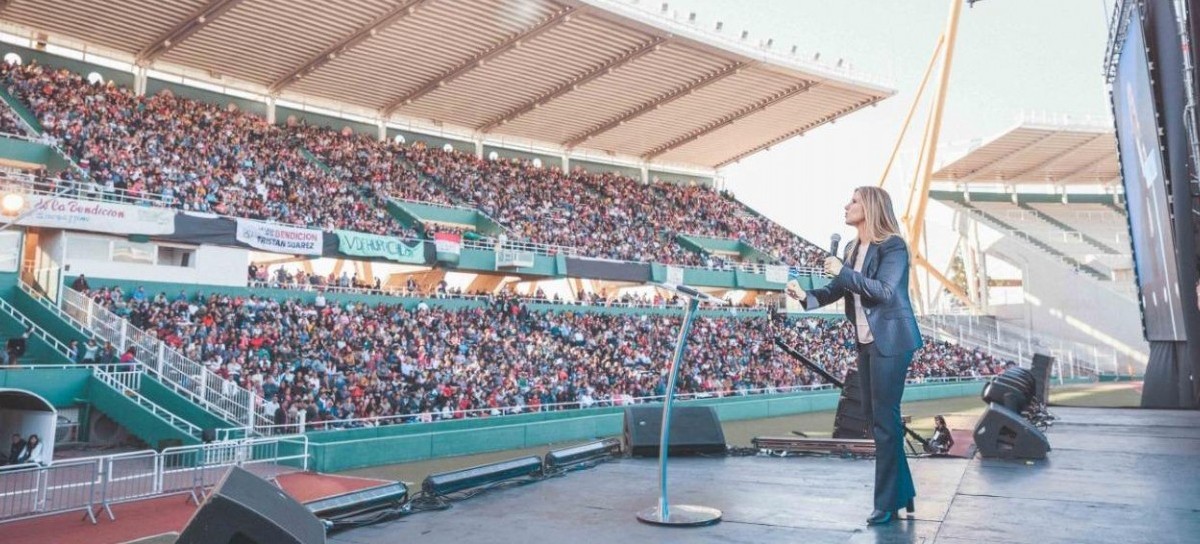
x: 393, y: 362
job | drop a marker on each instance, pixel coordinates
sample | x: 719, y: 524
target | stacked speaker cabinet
x: 1041, y: 375
x: 694, y: 430
x: 1004, y: 434
x: 851, y: 419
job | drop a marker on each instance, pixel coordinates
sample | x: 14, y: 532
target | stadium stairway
x: 22, y: 111
x: 1004, y: 226
x: 316, y: 161
x: 40, y: 347
x: 1068, y: 228
x: 117, y: 395
x: 177, y: 400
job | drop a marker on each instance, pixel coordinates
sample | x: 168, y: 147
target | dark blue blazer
x: 883, y: 288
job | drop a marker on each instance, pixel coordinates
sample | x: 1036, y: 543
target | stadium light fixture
x: 12, y: 203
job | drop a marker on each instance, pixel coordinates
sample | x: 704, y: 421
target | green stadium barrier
x: 340, y: 450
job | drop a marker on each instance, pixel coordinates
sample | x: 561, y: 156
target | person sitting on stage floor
x: 942, y: 441
x: 875, y: 291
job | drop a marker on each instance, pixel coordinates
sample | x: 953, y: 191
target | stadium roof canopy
x: 594, y: 75
x: 1040, y: 154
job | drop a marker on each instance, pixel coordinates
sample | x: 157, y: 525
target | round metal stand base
x: 681, y: 515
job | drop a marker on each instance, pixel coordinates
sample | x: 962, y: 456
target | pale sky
x: 1012, y: 56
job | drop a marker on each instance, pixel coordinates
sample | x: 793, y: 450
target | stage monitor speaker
x: 851, y: 419
x: 1003, y: 433
x: 1041, y: 375
x: 694, y: 430
x: 245, y: 509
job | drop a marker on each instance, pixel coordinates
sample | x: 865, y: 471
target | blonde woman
x: 875, y: 289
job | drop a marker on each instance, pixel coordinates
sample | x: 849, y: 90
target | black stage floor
x: 1114, y: 475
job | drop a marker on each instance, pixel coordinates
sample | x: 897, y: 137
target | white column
x: 479, y: 148
x: 382, y: 126
x: 139, y: 81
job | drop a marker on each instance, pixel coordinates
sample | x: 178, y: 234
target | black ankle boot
x: 879, y: 517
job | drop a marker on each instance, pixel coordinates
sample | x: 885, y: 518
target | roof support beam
x: 561, y: 16
x: 729, y: 119
x: 345, y: 44
x: 657, y: 102
x: 184, y: 29
x: 797, y: 132
x: 991, y: 165
x: 575, y: 82
x: 1058, y: 157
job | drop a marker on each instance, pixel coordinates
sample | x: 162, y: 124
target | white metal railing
x: 188, y: 377
x: 1021, y: 344
x: 95, y: 484
x: 404, y: 293
x: 121, y: 383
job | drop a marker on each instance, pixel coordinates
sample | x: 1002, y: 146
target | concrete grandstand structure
x: 1045, y: 241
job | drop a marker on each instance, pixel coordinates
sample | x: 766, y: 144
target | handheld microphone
x: 833, y: 243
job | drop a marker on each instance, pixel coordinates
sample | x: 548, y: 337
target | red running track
x: 150, y: 517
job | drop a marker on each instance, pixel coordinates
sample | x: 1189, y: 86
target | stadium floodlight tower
x: 918, y: 196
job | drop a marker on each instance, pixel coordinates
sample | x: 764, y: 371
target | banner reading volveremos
x: 370, y: 245
x: 67, y: 213
x: 280, y: 238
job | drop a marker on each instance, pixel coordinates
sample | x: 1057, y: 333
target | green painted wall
x: 60, y: 387
x: 548, y: 161
x: 32, y: 152
x: 599, y: 167
x: 431, y: 141
x: 679, y: 179
x: 321, y: 120
x: 122, y: 78
x: 154, y: 86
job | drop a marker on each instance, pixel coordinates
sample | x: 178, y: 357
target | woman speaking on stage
x: 874, y: 285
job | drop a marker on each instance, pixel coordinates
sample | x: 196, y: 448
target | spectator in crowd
x: 15, y: 449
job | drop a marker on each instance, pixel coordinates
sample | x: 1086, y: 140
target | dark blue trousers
x: 882, y: 380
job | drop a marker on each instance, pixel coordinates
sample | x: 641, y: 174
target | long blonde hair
x: 878, y: 214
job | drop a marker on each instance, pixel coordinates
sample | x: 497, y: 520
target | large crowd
x: 189, y: 154
x: 196, y: 156
x: 338, y: 360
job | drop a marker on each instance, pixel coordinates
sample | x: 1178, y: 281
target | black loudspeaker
x: 245, y: 509
x: 1041, y: 376
x: 851, y: 418
x: 208, y: 435
x: 1003, y: 433
x: 694, y: 430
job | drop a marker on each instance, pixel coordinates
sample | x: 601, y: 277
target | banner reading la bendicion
x: 370, y: 245
x: 93, y: 216
x: 280, y: 238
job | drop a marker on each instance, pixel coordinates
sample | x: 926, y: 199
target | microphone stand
x: 838, y: 383
x: 679, y: 515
